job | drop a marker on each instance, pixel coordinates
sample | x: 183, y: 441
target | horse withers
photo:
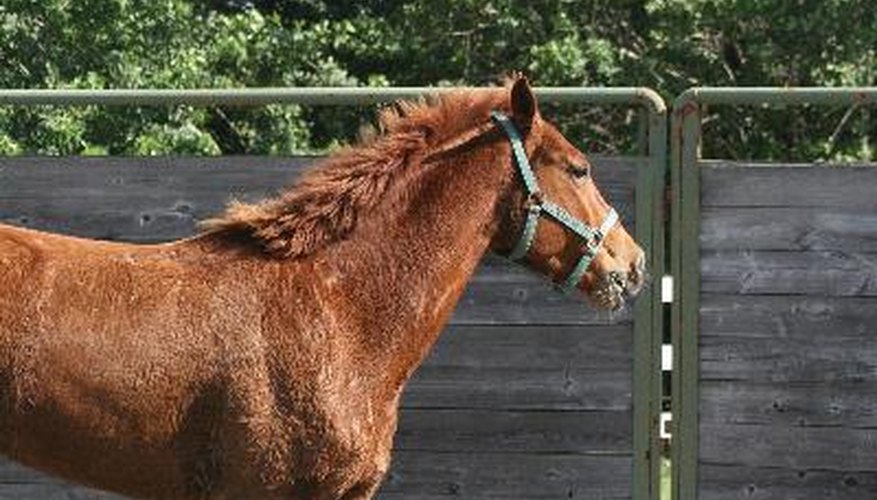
x: 265, y: 357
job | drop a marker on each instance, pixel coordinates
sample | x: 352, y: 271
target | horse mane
x: 326, y: 202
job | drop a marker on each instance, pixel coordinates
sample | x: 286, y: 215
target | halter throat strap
x: 592, y: 238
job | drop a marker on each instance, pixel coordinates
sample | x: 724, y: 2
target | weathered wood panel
x: 823, y: 448
x: 786, y: 360
x: 821, y: 403
x: 489, y: 431
x: 788, y: 332
x: 826, y: 272
x: 789, y: 228
x: 728, y: 184
x: 784, y: 316
x: 481, y: 476
x: 737, y: 482
x: 528, y: 394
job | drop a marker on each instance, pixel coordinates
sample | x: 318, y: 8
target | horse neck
x: 408, y: 266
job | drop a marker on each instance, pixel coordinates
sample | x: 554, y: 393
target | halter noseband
x: 536, y: 206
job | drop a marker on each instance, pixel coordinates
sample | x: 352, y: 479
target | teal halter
x: 536, y: 206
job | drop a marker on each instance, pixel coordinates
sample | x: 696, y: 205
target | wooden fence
x: 528, y: 394
x: 774, y: 317
x: 788, y: 332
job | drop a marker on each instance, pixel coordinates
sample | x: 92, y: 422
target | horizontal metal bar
x: 325, y: 96
x: 755, y: 96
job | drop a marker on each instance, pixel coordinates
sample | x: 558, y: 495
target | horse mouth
x: 614, y: 290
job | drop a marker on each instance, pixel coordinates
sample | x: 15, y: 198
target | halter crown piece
x: 536, y: 206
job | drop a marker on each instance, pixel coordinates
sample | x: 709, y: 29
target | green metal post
x: 685, y: 264
x: 647, y: 310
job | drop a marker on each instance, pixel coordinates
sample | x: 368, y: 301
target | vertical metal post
x: 685, y: 227
x: 648, y: 320
x: 643, y: 131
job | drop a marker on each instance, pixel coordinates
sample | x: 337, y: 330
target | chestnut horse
x: 264, y: 358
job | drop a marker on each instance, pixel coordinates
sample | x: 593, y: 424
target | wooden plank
x: 153, y: 199
x: 782, y: 228
x: 816, y: 404
x: 783, y: 316
x: 827, y: 448
x: 789, y: 360
x: 509, y: 388
x: 491, y: 431
x: 533, y: 348
x: 741, y: 482
x: 728, y: 184
x: 789, y: 273
x: 480, y: 476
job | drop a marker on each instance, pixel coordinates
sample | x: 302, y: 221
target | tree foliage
x: 668, y: 45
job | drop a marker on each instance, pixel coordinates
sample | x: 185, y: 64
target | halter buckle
x: 534, y: 202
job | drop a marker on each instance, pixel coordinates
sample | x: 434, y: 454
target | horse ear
x: 523, y: 104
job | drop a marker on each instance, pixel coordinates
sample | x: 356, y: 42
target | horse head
x: 554, y: 219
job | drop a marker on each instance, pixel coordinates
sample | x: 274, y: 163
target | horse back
x: 105, y: 354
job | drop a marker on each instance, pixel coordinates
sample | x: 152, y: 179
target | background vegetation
x: 668, y: 45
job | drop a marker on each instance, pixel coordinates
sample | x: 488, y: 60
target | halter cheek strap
x: 536, y: 206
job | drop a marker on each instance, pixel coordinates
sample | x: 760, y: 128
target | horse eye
x: 578, y: 172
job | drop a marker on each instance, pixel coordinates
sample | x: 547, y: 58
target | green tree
x: 668, y: 45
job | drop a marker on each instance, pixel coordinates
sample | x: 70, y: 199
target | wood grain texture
x: 824, y: 448
x: 823, y: 273
x: 785, y: 361
x: 791, y: 317
x: 503, y: 432
x: 837, y: 404
x: 729, y: 184
x: 848, y: 229
x: 788, y: 333
x: 480, y: 476
x: 528, y: 394
x: 739, y: 482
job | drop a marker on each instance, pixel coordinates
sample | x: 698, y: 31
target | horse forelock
x: 324, y: 205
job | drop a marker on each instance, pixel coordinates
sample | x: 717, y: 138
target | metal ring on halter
x: 572, y: 281
x: 536, y: 206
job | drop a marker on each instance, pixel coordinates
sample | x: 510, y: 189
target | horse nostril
x: 637, y: 276
x: 617, y: 278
